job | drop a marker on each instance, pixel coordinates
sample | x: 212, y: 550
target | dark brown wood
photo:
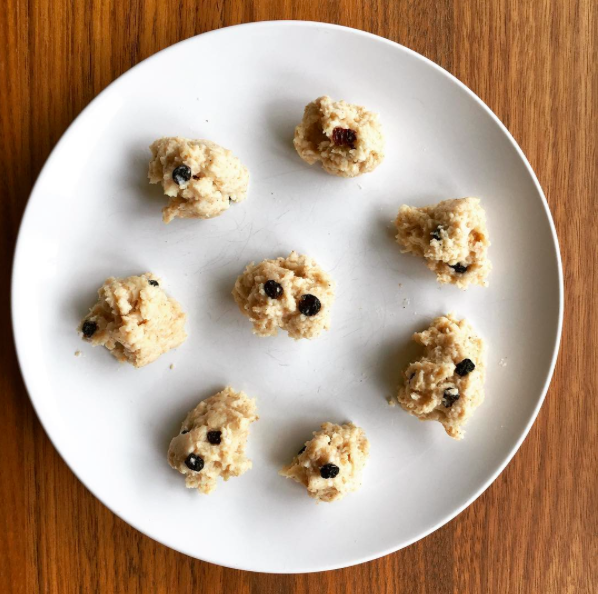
x: 534, y: 62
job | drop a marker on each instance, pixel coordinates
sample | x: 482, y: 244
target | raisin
x: 450, y: 396
x: 273, y: 289
x: 215, y: 437
x: 464, y: 367
x: 181, y: 174
x: 344, y: 137
x: 89, y: 328
x: 196, y: 177
x: 329, y: 471
x: 436, y: 234
x: 154, y: 283
x: 194, y: 462
x: 309, y: 305
x: 301, y: 451
x: 460, y: 268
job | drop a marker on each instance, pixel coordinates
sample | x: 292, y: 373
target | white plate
x: 93, y: 214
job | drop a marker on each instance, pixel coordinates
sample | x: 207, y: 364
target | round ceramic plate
x: 93, y: 215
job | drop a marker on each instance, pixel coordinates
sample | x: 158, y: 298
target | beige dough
x: 216, y: 177
x: 347, y: 139
x: 297, y: 277
x: 337, y: 450
x: 447, y: 383
x: 135, y: 320
x: 212, y: 440
x: 451, y: 236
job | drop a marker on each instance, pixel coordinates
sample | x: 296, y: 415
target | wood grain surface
x: 534, y: 62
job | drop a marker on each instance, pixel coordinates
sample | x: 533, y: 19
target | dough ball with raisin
x: 213, y: 439
x: 345, y: 138
x: 447, y: 383
x: 294, y: 294
x: 135, y: 319
x: 451, y: 236
x: 330, y: 464
x: 200, y: 177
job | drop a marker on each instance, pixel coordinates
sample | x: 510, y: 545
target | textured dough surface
x: 217, y: 177
x: 229, y: 412
x: 298, y: 275
x: 428, y: 381
x: 450, y: 233
x: 346, y: 446
x: 315, y: 139
x: 136, y: 321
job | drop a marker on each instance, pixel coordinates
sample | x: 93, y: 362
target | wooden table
x: 534, y: 62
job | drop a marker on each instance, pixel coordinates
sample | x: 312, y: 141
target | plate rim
x: 20, y: 346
